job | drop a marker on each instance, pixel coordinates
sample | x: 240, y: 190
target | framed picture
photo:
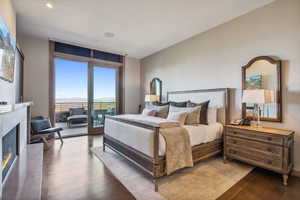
x: 254, y: 82
x: 7, y: 53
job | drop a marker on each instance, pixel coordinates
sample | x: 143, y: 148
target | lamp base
x: 256, y: 124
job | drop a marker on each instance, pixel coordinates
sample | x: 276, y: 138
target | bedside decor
x: 7, y: 53
x: 258, y: 97
x: 269, y: 148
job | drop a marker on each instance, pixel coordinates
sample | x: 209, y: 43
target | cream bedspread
x: 178, y: 148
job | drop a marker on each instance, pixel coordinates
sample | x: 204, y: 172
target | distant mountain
x: 79, y: 99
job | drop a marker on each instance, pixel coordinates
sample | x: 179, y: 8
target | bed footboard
x: 154, y: 166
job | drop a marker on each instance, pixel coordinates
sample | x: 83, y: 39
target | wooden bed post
x: 103, y: 145
x: 156, y: 158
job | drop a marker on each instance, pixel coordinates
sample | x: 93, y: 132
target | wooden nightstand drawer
x: 259, y: 136
x: 255, y: 157
x: 258, y: 146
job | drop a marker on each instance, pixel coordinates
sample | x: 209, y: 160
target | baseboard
x: 296, y: 173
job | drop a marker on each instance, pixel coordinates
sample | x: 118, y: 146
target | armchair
x: 41, y: 128
x: 77, y: 115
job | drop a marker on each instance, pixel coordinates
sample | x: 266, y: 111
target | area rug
x: 207, y: 180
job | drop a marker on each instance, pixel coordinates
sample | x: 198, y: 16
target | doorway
x: 83, y: 93
x: 103, y: 94
x: 71, y: 97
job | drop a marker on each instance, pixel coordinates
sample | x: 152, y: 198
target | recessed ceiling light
x: 49, y: 5
x: 109, y: 34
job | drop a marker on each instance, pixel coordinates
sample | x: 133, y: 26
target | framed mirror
x: 156, y: 87
x: 263, y: 72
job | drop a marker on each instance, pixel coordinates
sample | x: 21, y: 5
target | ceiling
x: 140, y: 27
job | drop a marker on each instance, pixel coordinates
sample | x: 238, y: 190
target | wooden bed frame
x: 156, y: 166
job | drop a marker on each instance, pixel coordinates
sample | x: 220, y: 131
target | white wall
x: 36, y: 73
x: 213, y: 59
x: 7, y: 12
x: 132, y: 85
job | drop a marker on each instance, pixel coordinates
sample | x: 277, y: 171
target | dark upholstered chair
x: 77, y: 116
x: 41, y: 128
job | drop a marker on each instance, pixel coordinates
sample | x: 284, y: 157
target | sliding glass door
x: 102, y: 95
x: 71, y: 96
x: 85, y: 85
x: 84, y: 93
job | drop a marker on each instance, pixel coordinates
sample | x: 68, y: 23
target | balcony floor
x: 78, y: 129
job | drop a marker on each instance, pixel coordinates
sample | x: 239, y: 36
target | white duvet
x: 141, y: 139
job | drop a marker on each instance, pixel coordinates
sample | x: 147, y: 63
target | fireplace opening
x: 9, y: 151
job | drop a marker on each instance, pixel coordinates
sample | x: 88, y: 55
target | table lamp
x: 257, y: 97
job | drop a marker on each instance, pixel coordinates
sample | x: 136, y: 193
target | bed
x: 142, y: 144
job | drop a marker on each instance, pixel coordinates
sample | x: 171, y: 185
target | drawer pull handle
x: 269, y: 138
x: 269, y: 149
x: 270, y: 162
x: 234, y: 141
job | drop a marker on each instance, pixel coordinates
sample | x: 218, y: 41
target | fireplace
x: 9, y: 151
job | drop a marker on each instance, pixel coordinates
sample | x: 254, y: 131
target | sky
x: 71, y: 80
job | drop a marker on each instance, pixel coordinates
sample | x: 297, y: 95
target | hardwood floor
x: 72, y: 172
x: 261, y: 184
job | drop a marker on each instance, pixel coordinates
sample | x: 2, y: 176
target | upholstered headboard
x: 218, y: 98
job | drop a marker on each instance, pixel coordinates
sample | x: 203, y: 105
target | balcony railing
x: 99, y: 110
x: 65, y: 106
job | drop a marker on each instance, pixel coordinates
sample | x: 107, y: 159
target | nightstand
x: 269, y: 148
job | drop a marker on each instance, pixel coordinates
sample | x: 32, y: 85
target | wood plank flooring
x: 261, y: 184
x: 72, y: 172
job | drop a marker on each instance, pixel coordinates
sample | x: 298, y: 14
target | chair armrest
x: 50, y: 130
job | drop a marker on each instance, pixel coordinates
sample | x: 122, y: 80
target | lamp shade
x: 151, y: 98
x: 258, y: 96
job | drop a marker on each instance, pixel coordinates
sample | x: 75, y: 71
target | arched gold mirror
x: 156, y: 87
x: 263, y: 73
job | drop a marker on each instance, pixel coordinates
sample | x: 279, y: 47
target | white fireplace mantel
x: 17, y: 115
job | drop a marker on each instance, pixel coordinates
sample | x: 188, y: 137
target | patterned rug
x: 207, y: 180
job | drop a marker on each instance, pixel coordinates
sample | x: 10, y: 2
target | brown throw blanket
x: 178, y: 148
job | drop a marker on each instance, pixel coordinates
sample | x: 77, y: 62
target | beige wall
x: 36, y: 73
x: 7, y: 12
x: 132, y: 85
x: 213, y: 59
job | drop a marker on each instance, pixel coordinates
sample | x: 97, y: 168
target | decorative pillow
x: 193, y: 114
x: 177, y: 116
x: 38, y: 125
x: 160, y: 104
x: 203, y: 112
x: 148, y: 112
x: 212, y: 115
x: 161, y: 111
x: 178, y: 104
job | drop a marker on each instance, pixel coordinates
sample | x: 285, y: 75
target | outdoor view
x: 71, y: 108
